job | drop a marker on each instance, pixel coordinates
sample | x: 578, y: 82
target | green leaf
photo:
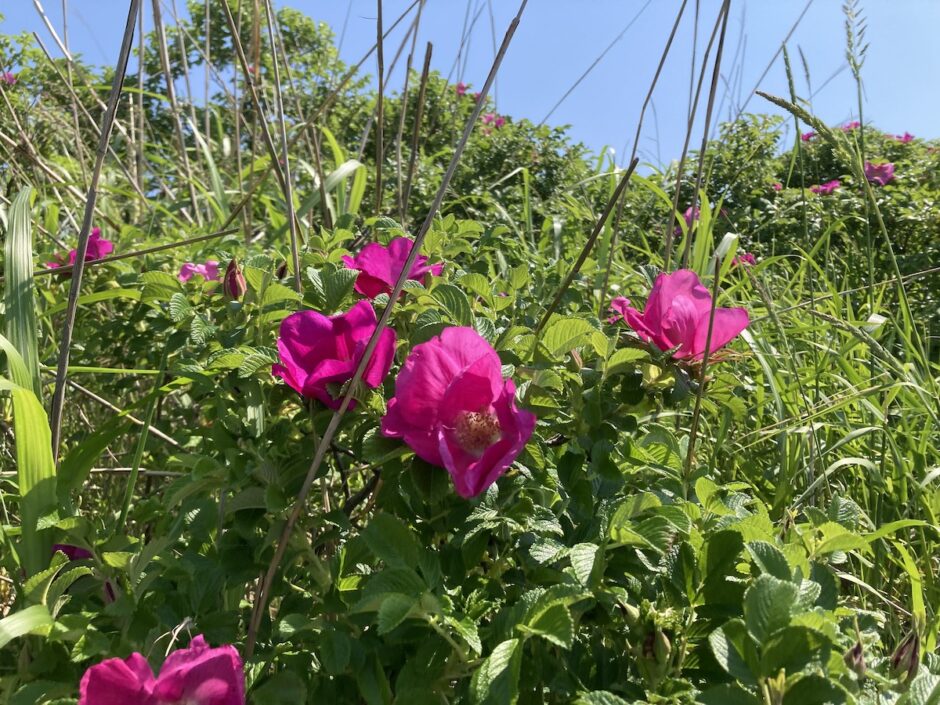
x: 734, y: 651
x: 284, y: 688
x: 583, y: 557
x: 815, y: 690
x: 728, y: 694
x: 768, y: 605
x: 259, y: 357
x: 554, y: 624
x: 599, y: 697
x: 337, y: 285
x: 35, y: 467
x: 455, y: 302
x: 19, y: 289
x: 625, y: 359
x: 394, y: 610
x: 477, y: 284
x: 792, y: 649
x: 566, y: 334
x: 159, y: 286
x: 769, y: 559
x: 180, y: 309
x: 496, y: 681
x: 32, y: 620
x: 391, y: 541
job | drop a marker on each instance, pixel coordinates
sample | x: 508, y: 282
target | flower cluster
x: 492, y: 121
x: 879, y: 174
x: 7, y: 78
x: 451, y: 403
x: 98, y: 248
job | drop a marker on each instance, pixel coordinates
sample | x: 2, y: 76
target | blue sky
x: 559, y: 39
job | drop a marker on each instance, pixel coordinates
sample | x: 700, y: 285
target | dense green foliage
x: 789, y: 556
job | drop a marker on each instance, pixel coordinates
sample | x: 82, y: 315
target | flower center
x: 476, y: 431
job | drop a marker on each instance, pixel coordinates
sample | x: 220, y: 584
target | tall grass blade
x: 18, y: 296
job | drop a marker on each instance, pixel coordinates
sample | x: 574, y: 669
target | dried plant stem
x: 636, y: 144
x: 380, y: 117
x: 288, y: 188
x: 107, y: 123
x: 133, y: 419
x: 174, y: 105
x: 588, y: 245
x: 416, y: 133
x: 713, y: 90
x: 66, y: 268
x: 323, y: 446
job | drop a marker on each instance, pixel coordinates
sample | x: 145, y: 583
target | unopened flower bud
x: 234, y: 283
x: 855, y: 659
x: 906, y: 658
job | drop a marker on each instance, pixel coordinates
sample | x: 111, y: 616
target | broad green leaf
x: 599, y: 697
x: 391, y: 541
x: 566, y: 334
x: 554, y: 624
x: 768, y: 605
x: 583, y: 558
x: 625, y: 360
x: 496, y: 681
x: 455, y: 302
x: 337, y: 286
x: 394, y: 610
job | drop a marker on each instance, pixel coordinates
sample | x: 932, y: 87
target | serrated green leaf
x: 566, y: 334
x: 554, y: 624
x: 496, y: 681
x: 625, y: 360
x: 391, y: 541
x: 394, y: 609
x: 180, y: 308
x: 455, y: 302
x: 768, y: 605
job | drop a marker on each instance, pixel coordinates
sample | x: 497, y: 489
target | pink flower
x: 319, y: 354
x: 208, y: 271
x: 462, y: 89
x: 744, y: 258
x: 777, y: 186
x: 849, y: 126
x: 98, y: 248
x: 879, y: 174
x: 455, y: 410
x: 199, y: 675
x: 827, y: 187
x: 618, y: 306
x: 905, y: 138
x: 476, y: 96
x: 7, y: 78
x: 379, y: 266
x: 499, y: 121
x: 677, y: 315
x: 489, y: 118
x: 807, y: 136
x: 690, y: 216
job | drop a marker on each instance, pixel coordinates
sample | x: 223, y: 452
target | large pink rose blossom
x: 826, y: 188
x: 208, y: 271
x: 199, y: 675
x: 455, y: 410
x: 379, y: 266
x: 319, y: 354
x: 677, y: 315
x: 880, y: 174
x: 98, y: 248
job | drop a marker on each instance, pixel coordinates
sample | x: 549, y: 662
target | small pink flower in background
x: 476, y: 96
x: 208, y: 271
x: 690, y: 216
x: 879, y: 174
x: 379, y: 266
x: 198, y: 675
x: 319, y: 353
x: 677, y: 316
x: 462, y: 89
x: 777, y: 186
x: 489, y: 118
x: 499, y: 121
x: 807, y: 136
x: 98, y: 248
x: 7, y: 78
x: 849, y: 126
x: 455, y: 410
x: 905, y: 138
x: 618, y: 306
x: 826, y: 188
x: 745, y: 258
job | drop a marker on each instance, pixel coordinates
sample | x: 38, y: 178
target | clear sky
x: 559, y: 39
